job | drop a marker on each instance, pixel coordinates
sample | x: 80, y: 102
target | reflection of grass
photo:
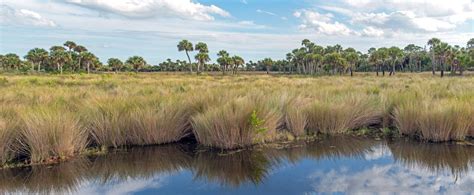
x: 148, y: 109
x: 233, y: 169
x: 340, y: 146
x: 433, y: 157
x: 229, y: 169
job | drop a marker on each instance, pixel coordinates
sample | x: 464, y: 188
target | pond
x: 329, y: 165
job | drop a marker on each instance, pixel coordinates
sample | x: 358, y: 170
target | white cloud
x: 321, y: 23
x: 13, y: 16
x: 151, y: 8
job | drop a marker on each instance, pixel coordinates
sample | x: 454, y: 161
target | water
x: 332, y: 165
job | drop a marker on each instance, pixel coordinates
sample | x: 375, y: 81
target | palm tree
x: 470, y: 44
x: 203, y: 56
x: 88, y: 58
x: 395, y: 54
x: 202, y: 59
x: 11, y: 60
x: 433, y: 42
x: 136, y: 62
x: 352, y: 57
x: 59, y: 57
x: 115, y: 64
x: 70, y: 45
x: 268, y: 62
x: 186, y: 46
x: 442, y: 50
x: 79, y: 49
x: 238, y: 61
x: 37, y: 56
x: 223, y: 60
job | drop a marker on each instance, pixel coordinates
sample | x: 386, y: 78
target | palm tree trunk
x: 433, y: 62
x: 189, y: 59
x: 88, y: 67
x: 350, y: 69
x: 39, y: 66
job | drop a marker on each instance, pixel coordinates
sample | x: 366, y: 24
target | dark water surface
x: 332, y: 165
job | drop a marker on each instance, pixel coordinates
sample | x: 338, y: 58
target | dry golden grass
x: 51, y: 133
x: 146, y: 109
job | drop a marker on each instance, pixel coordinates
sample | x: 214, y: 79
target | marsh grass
x: 57, y: 116
x: 50, y: 132
x: 336, y: 116
x: 230, y: 126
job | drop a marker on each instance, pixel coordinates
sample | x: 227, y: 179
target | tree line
x: 309, y: 59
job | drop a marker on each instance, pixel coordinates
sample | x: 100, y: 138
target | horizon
x: 248, y: 28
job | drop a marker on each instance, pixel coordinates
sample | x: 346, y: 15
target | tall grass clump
x: 107, y: 121
x: 51, y: 132
x: 238, y: 123
x: 445, y: 122
x: 295, y: 117
x: 8, y: 136
x: 165, y: 122
x: 335, y: 116
x: 406, y: 117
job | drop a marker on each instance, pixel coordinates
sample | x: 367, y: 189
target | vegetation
x: 310, y: 59
x: 45, y: 118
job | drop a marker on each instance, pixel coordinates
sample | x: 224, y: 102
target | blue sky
x: 253, y: 29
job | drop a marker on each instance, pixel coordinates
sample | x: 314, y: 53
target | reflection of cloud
x: 123, y: 186
x: 392, y: 178
x: 378, y: 152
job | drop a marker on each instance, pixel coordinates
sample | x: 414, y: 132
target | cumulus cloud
x: 321, y: 23
x: 13, y: 16
x: 415, y: 16
x: 186, y: 9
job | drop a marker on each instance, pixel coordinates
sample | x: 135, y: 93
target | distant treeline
x: 310, y: 59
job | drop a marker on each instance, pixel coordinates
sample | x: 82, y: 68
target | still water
x: 330, y: 165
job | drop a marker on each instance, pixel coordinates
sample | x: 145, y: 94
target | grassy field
x: 46, y: 118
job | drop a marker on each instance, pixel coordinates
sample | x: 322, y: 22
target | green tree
x: 88, y: 58
x: 223, y: 60
x: 37, y: 56
x: 442, y: 50
x: 352, y: 57
x: 433, y: 42
x: 268, y: 63
x: 203, y: 56
x: 238, y: 61
x: 79, y: 49
x: 115, y: 64
x: 59, y: 57
x: 395, y: 54
x: 11, y: 61
x: 187, y: 47
x: 136, y: 62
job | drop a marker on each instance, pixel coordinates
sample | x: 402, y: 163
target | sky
x: 253, y: 29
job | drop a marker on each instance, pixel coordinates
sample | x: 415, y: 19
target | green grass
x: 56, y: 116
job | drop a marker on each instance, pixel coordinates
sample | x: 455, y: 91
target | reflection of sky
x: 122, y: 186
x: 375, y: 171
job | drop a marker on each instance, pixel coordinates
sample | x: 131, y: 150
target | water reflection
x: 433, y: 157
x: 333, y: 164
